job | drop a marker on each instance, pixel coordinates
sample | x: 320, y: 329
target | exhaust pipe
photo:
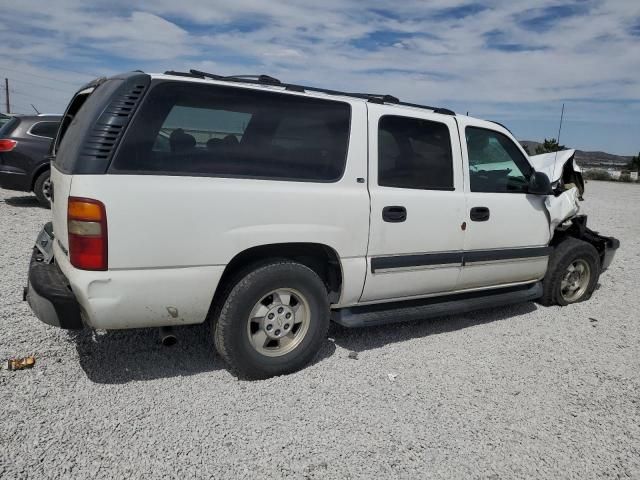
x: 167, y: 337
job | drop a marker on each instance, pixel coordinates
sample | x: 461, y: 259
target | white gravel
x: 516, y: 392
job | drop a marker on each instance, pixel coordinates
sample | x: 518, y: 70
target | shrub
x: 597, y: 175
x: 625, y: 177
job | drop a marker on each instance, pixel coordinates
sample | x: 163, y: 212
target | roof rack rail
x: 268, y: 80
x: 263, y: 79
x: 182, y: 74
x: 260, y: 78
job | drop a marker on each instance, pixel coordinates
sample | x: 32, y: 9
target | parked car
x: 270, y: 209
x: 24, y: 148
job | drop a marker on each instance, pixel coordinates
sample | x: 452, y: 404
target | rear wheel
x: 273, y: 320
x: 42, y: 189
x: 574, y: 269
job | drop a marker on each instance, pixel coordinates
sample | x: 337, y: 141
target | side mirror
x: 539, y: 184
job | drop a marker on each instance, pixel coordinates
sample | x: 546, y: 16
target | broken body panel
x: 567, y: 184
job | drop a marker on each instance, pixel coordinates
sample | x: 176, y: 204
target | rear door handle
x: 394, y: 214
x: 479, y: 214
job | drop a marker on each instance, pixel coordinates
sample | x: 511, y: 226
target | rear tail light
x: 7, y: 145
x: 87, y: 227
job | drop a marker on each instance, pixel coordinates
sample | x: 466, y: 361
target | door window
x: 495, y: 163
x: 414, y: 153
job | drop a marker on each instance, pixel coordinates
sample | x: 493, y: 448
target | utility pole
x: 6, y: 94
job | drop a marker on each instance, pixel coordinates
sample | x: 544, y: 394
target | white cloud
x: 591, y: 56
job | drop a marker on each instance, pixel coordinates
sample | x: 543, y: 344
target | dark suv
x: 24, y: 146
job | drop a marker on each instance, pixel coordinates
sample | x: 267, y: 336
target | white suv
x: 270, y: 209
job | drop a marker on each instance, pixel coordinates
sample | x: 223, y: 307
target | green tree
x: 549, y: 146
x: 634, y: 164
x: 526, y: 149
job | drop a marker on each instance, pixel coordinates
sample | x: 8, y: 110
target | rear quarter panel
x: 170, y: 237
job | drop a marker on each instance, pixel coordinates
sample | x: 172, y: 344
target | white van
x: 270, y: 209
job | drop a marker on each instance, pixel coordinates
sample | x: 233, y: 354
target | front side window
x: 414, y: 153
x: 195, y: 129
x: 495, y: 163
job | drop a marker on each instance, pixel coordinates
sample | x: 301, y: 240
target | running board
x: 380, y: 314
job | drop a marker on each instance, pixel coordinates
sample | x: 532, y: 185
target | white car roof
x: 398, y: 107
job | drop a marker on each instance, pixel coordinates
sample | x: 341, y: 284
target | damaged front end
x: 563, y: 205
x: 566, y: 182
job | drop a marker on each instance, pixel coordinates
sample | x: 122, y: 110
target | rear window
x: 4, y: 119
x: 45, y: 129
x: 8, y: 127
x: 195, y: 129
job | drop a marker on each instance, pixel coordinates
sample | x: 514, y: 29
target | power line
x: 30, y: 95
x: 89, y: 74
x: 44, y: 77
x: 40, y: 85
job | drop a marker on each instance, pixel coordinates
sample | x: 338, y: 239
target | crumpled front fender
x: 562, y: 207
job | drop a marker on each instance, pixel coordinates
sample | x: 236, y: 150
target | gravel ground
x: 505, y: 393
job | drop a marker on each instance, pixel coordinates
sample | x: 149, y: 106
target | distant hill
x: 590, y: 159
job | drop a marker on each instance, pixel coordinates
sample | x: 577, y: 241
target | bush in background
x: 597, y: 175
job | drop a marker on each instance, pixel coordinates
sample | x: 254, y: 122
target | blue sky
x: 515, y: 62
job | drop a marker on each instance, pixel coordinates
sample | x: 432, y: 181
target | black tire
x: 236, y: 303
x: 39, y: 188
x: 564, y: 254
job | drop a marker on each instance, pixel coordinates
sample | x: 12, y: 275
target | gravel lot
x: 514, y: 392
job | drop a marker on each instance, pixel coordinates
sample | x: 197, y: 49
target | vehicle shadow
x: 121, y: 356
x: 369, y: 338
x: 24, y: 201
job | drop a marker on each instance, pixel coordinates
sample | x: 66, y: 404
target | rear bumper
x: 49, y: 295
x: 13, y: 178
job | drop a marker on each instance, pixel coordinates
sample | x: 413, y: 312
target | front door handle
x: 394, y: 214
x: 479, y: 214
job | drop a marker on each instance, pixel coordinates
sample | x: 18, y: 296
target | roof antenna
x: 32, y: 106
x: 558, y: 140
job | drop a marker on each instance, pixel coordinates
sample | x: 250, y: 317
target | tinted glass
x: 195, y: 129
x: 45, y: 129
x: 8, y: 127
x: 495, y: 163
x: 414, y: 153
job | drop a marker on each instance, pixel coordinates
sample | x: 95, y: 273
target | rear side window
x: 196, y: 129
x: 414, y: 153
x: 45, y: 129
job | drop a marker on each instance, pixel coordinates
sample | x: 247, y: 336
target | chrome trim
x: 37, y: 123
x: 417, y: 268
x: 507, y: 260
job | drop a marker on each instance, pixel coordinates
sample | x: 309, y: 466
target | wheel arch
x: 321, y: 258
x: 37, y: 172
x: 579, y: 230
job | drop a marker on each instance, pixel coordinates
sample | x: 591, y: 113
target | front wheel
x: 273, y: 320
x: 574, y: 269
